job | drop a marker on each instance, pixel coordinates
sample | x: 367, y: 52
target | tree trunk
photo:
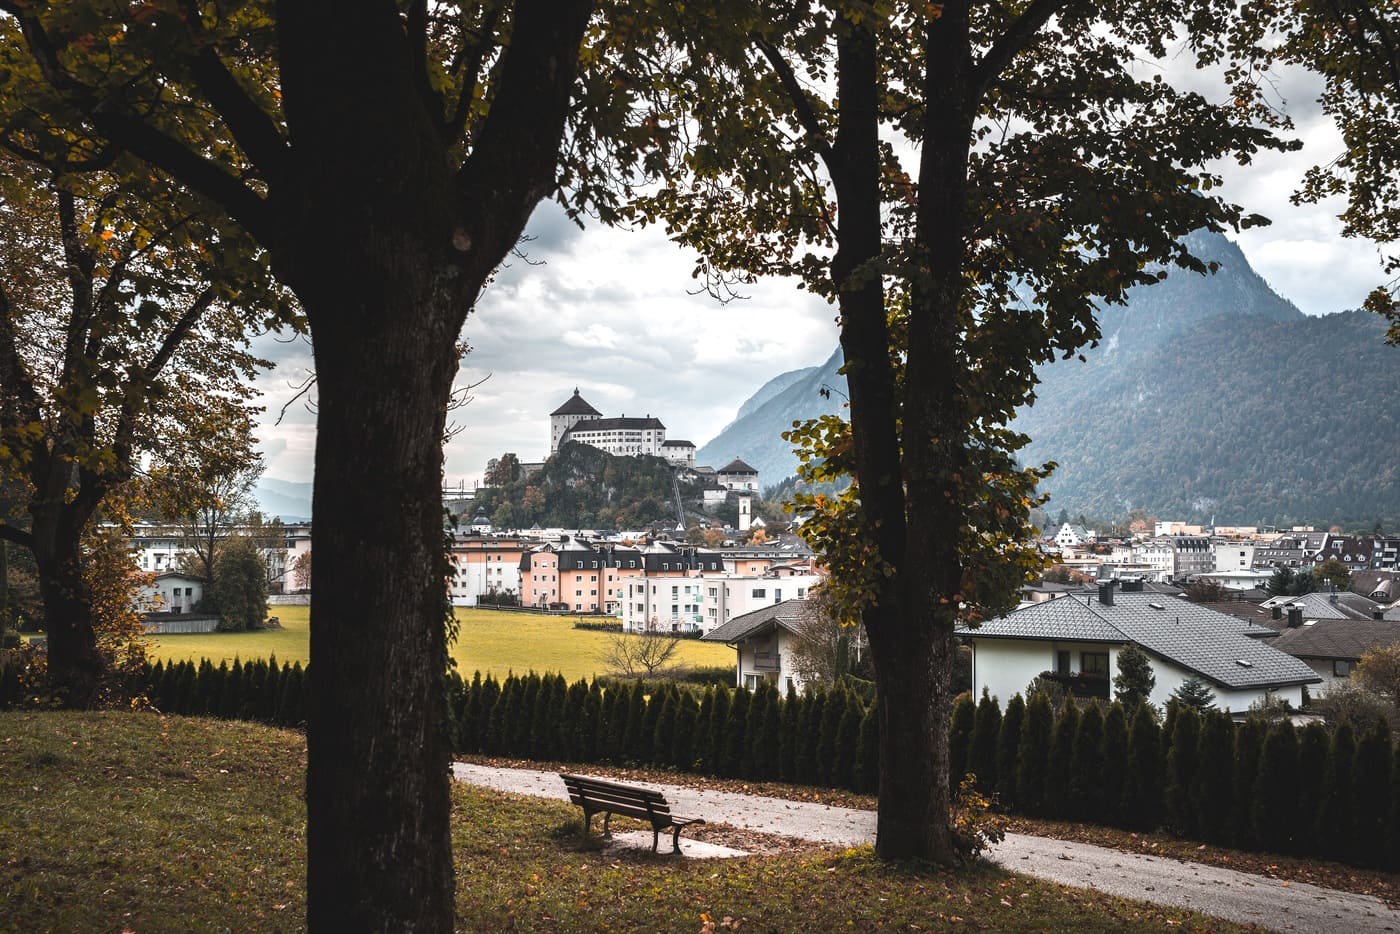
x: 378, y: 834
x: 75, y: 666
x: 914, y: 664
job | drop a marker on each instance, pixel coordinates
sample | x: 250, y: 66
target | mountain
x: 755, y: 435
x: 1208, y: 396
x: 289, y: 499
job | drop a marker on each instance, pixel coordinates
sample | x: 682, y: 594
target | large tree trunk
x: 75, y: 666
x: 378, y: 833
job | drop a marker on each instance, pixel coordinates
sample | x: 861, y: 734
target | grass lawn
x: 488, y: 641
x: 132, y: 821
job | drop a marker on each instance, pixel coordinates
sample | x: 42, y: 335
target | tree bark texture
x: 75, y: 665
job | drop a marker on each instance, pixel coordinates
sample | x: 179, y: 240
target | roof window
x: 1243, y: 663
x: 1156, y: 606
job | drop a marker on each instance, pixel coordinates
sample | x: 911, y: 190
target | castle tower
x: 566, y: 416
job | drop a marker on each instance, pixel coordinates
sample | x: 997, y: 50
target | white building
x: 762, y: 640
x: 704, y: 602
x: 1077, y: 640
x: 737, y: 475
x: 1234, y: 556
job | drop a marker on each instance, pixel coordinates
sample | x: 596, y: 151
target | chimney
x: 1295, y: 617
x: 1276, y: 612
x: 1378, y: 614
x: 1333, y: 598
x: 1106, y: 592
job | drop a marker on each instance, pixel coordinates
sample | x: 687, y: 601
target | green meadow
x: 488, y: 641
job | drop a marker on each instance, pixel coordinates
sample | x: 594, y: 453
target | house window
x: 1062, y: 662
x: 752, y: 682
x: 760, y: 593
x: 1341, y: 669
x: 1094, y: 663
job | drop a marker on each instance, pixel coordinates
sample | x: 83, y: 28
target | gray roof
x: 785, y: 614
x: 677, y: 443
x: 1337, y: 638
x: 1187, y: 634
x: 1319, y: 605
x: 737, y: 466
x: 575, y: 406
x: 616, y: 424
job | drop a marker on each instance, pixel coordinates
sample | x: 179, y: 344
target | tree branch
x: 474, y: 55
x: 416, y: 29
x: 255, y: 132
x: 803, y: 107
x: 19, y: 536
x: 1013, y: 41
x: 135, y: 135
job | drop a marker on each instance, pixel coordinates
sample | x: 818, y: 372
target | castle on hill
x: 576, y: 420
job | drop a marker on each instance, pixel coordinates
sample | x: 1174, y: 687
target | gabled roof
x: 617, y: 424
x: 737, y: 466
x: 1319, y: 605
x: 1189, y: 635
x: 677, y: 443
x: 783, y: 615
x: 1337, y: 638
x: 575, y: 406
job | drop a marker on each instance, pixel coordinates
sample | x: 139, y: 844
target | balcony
x: 765, y: 661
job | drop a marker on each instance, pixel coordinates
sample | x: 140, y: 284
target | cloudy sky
x: 611, y: 313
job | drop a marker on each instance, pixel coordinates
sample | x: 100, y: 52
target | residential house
x: 1333, y: 647
x: 1327, y: 605
x: 1071, y: 535
x: 1078, y: 639
x: 763, y: 640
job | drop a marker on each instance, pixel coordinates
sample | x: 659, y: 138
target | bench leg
x: 676, y: 841
x: 607, y: 816
x: 655, y: 836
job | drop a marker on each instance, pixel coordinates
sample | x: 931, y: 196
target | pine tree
x: 843, y: 772
x: 700, y: 750
x: 752, y: 765
x: 769, y: 742
x: 1183, y: 762
x: 187, y: 698
x: 808, y: 768
x: 1196, y: 694
x: 683, y: 745
x: 1032, y: 754
x: 790, y: 738
x: 518, y: 742
x: 230, y: 691
x: 1249, y: 744
x: 1336, y: 818
x: 960, y: 738
x: 1059, y: 786
x: 271, y: 690
x: 1086, y: 766
x: 632, y: 745
x: 868, y: 753
x: 502, y: 714
x: 1371, y: 784
x: 664, y: 741
x: 826, y: 738
x: 1142, y: 780
x: 647, y: 741
x: 1275, y: 800
x: 590, y: 724
x: 1134, y: 682
x: 982, y: 755
x: 714, y: 745
x: 484, y: 714
x: 735, y: 734
x: 1214, y: 791
x: 1109, y: 809
x: 570, y: 736
x: 1314, y: 747
x: 1008, y: 745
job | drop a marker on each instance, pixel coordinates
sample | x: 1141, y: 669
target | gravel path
x: 1223, y: 893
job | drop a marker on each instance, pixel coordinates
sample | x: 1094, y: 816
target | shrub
x: 1032, y: 753
x: 1086, y: 766
x: 1059, y: 786
x: 1182, y: 763
x: 736, y: 734
x: 714, y: 736
x: 1213, y: 793
x: 683, y: 745
x: 975, y: 826
x: 982, y: 756
x: 1275, y: 800
x: 1134, y: 682
x: 1335, y: 824
x: 868, y: 753
x: 1249, y: 742
x: 1371, y: 786
x: 1115, y: 765
x: 960, y: 738
x: 808, y: 768
x: 788, y: 739
x: 752, y: 764
x: 1008, y: 745
x: 663, y: 743
x: 1142, y: 780
x: 769, y: 738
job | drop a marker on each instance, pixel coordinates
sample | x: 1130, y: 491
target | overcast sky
x: 609, y: 312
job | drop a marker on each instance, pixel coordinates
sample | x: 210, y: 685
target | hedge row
x: 1260, y: 786
x: 258, y: 690
x: 821, y: 738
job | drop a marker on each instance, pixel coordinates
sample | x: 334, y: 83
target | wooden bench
x: 597, y: 796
